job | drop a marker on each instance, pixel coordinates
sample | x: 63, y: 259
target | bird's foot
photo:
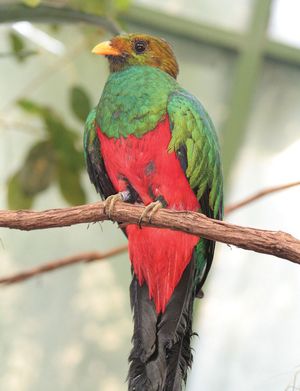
x: 110, y: 201
x: 151, y: 209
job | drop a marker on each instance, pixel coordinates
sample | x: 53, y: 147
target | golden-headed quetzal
x: 150, y: 141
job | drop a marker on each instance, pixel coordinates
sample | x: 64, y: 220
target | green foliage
x: 92, y: 6
x: 16, y: 42
x: 70, y: 186
x: 96, y: 7
x: 100, y: 7
x: 80, y: 102
x: 16, y: 197
x: 122, y: 5
x: 57, y: 158
x: 31, y: 3
x: 30, y: 107
x: 18, y: 47
x: 35, y: 175
x: 38, y: 170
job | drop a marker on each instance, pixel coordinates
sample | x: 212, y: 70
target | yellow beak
x: 105, y: 48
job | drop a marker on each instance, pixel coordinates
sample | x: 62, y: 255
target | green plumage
x: 134, y: 101
x: 89, y: 134
x: 193, y: 128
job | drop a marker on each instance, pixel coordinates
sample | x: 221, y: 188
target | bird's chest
x: 145, y: 163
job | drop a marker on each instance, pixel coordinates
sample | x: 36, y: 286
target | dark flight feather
x: 94, y: 161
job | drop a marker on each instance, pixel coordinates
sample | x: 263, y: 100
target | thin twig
x: 279, y: 244
x: 63, y: 262
x: 260, y: 194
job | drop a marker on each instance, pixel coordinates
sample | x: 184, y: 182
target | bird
x: 151, y: 142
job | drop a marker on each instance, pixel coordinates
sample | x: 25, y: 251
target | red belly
x: 159, y: 256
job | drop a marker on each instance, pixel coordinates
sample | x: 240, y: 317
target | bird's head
x: 128, y: 50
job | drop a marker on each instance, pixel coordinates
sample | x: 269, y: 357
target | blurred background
x: 71, y: 329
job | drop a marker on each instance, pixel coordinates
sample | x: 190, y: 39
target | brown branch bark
x: 95, y: 256
x: 258, y: 195
x: 279, y: 244
x: 60, y: 263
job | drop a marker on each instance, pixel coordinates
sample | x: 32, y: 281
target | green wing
x: 94, y: 162
x: 195, y: 142
x: 193, y: 129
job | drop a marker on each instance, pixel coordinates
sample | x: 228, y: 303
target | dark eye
x: 140, y: 47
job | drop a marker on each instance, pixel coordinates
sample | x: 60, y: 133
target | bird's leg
x: 152, y: 208
x: 111, y: 200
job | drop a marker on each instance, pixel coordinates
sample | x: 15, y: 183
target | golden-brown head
x: 123, y: 51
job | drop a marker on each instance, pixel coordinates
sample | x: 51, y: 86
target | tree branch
x: 93, y: 256
x: 60, y: 263
x: 260, y: 194
x: 45, y: 14
x: 279, y: 244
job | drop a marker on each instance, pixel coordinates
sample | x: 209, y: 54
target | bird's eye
x: 140, y: 47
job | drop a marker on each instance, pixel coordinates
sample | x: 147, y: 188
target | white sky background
x: 285, y: 22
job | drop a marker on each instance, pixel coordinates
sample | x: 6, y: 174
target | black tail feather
x: 145, y: 372
x: 179, y: 360
x: 161, y: 353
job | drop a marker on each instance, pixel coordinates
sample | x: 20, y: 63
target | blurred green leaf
x: 16, y: 197
x: 60, y: 158
x: 17, y: 45
x: 70, y: 186
x: 70, y: 157
x: 80, y: 102
x: 122, y: 5
x: 31, y: 3
x: 59, y: 132
x: 93, y: 6
x: 38, y: 170
x: 30, y: 107
x: 62, y: 137
x: 100, y: 7
x: 54, y: 27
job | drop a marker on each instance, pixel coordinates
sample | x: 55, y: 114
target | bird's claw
x: 110, y: 201
x: 151, y: 209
